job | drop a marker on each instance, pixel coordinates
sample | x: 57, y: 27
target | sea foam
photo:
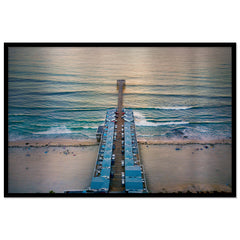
x: 55, y: 130
x: 140, y: 120
x: 174, y: 108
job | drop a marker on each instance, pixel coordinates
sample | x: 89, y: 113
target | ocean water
x: 175, y: 93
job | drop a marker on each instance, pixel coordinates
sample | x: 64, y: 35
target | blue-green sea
x: 64, y: 92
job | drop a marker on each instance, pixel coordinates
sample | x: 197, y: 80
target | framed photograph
x: 120, y: 119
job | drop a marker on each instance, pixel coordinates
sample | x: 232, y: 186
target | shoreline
x: 93, y: 142
x: 182, y: 141
x: 53, y: 143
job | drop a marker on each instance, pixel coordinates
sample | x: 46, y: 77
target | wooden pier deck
x: 116, y: 181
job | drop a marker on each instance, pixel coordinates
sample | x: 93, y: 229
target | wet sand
x: 53, y: 143
x: 182, y: 141
x: 42, y: 166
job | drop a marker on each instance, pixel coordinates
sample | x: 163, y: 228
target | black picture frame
x: 120, y: 44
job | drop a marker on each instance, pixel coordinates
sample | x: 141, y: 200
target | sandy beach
x: 187, y: 167
x: 44, y: 169
x: 50, y: 165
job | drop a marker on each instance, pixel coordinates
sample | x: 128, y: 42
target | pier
x: 116, y: 182
x: 118, y: 166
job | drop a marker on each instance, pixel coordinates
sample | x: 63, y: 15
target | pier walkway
x: 117, y: 168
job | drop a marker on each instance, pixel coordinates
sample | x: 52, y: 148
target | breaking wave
x: 55, y: 130
x: 140, y: 120
x: 87, y: 127
x: 174, y: 108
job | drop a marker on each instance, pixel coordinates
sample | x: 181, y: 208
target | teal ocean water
x: 175, y: 93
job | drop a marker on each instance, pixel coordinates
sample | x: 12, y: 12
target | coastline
x: 53, y: 143
x: 182, y: 141
x: 60, y: 142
